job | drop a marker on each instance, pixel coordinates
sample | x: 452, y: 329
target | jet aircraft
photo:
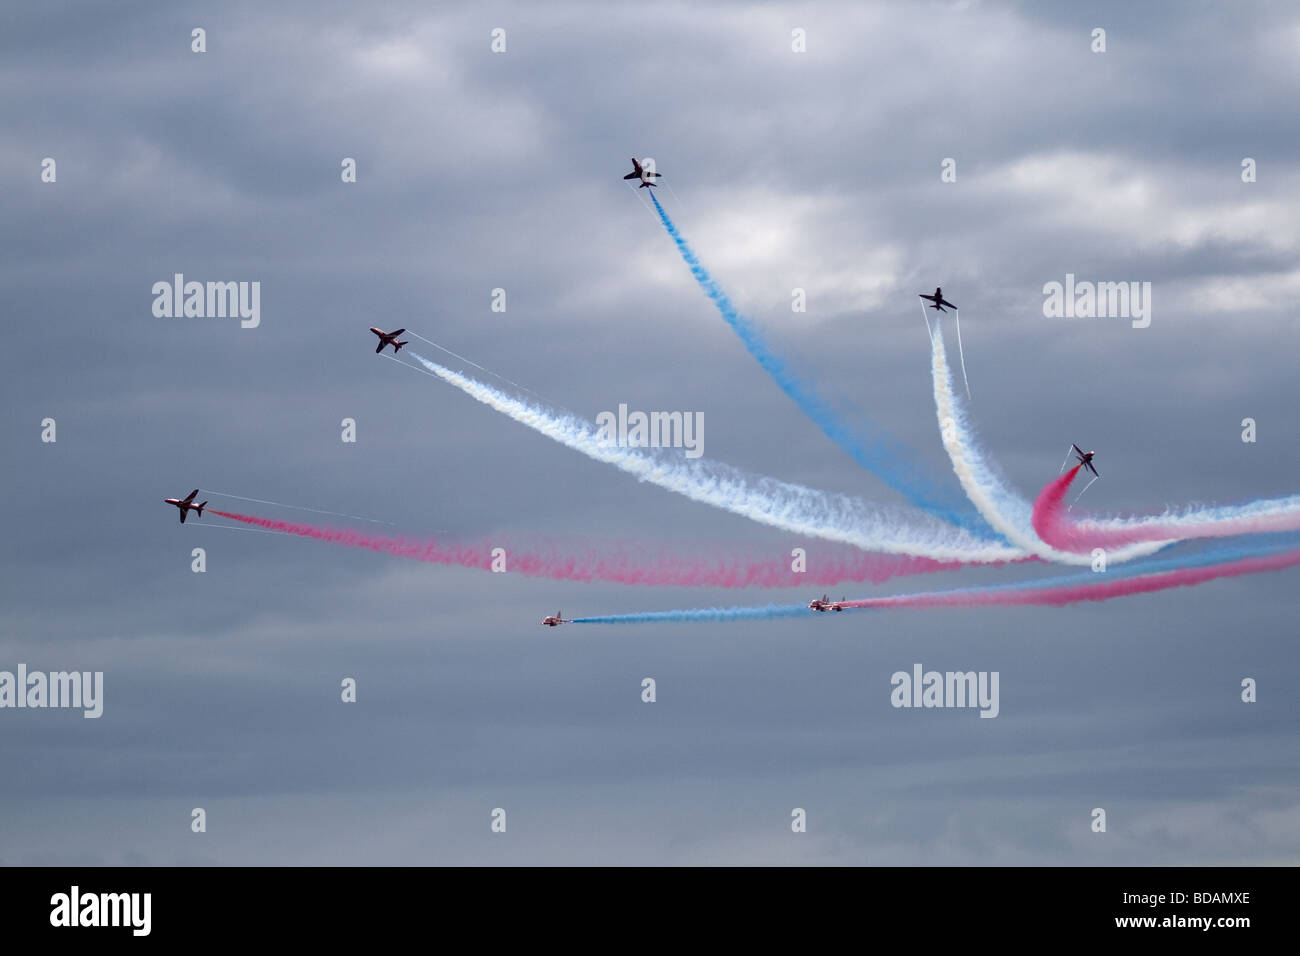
x: 937, y: 300
x: 1085, y: 458
x: 388, y: 338
x: 639, y: 172
x: 824, y: 603
x: 186, y: 504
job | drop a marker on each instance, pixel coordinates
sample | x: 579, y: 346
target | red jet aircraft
x: 638, y: 172
x: 1085, y: 458
x: 388, y: 338
x: 824, y: 604
x: 555, y: 621
x: 187, y: 504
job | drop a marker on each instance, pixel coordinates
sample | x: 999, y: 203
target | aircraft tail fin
x: 397, y: 346
x: 200, y: 508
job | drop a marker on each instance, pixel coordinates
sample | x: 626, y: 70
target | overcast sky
x: 479, y: 170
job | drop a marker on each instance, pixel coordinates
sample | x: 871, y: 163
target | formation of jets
x: 1085, y: 458
x: 824, y: 603
x: 937, y: 301
x: 388, y: 338
x: 639, y: 172
x: 187, y: 505
x: 821, y: 604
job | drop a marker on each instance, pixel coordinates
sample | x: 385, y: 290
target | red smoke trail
x: 1056, y: 528
x: 1059, y: 595
x: 622, y: 564
x: 1049, y: 519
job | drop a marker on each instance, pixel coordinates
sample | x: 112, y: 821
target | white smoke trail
x: 961, y: 353
x: 929, y: 333
x: 282, y: 504
x: 767, y: 501
x: 458, y: 356
x: 1061, y: 471
x: 1006, y: 511
x: 1085, y: 488
x: 226, y: 527
x: 1267, y: 516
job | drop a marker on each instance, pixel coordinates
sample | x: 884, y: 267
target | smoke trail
x: 877, y: 453
x: 777, y: 504
x: 1005, y: 510
x: 281, y: 504
x: 481, y: 368
x: 1057, y: 595
x: 929, y: 332
x: 1056, y: 528
x: 620, y: 563
x: 1144, y: 578
x: 769, y: 613
x: 961, y: 353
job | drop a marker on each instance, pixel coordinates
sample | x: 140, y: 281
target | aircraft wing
x: 396, y: 333
x: 632, y: 176
x: 1076, y: 448
x: 1092, y: 469
x: 380, y: 346
x: 947, y: 303
x: 930, y: 297
x: 190, y: 497
x: 183, y: 510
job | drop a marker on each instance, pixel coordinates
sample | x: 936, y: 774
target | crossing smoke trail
x: 619, y: 563
x: 1055, y: 527
x: 1004, y: 509
x: 777, y: 504
x: 1062, y: 594
x: 1156, y: 576
x: 877, y: 453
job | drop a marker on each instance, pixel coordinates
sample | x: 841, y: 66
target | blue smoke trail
x: 1280, y: 544
x: 1271, y: 544
x: 769, y: 612
x: 877, y: 453
x: 1277, y: 545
